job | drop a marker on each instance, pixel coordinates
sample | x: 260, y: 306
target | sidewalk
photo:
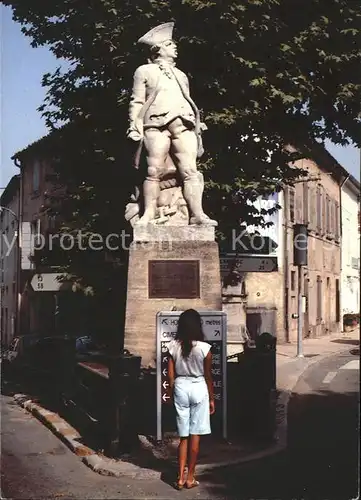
x: 152, y: 459
x: 290, y: 368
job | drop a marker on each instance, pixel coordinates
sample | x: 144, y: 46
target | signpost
x: 215, y: 331
x: 247, y: 264
x: 47, y: 282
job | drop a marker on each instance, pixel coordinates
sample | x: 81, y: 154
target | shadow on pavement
x: 346, y: 341
x: 321, y: 462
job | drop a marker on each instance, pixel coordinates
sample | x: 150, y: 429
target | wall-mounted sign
x: 48, y: 282
x: 243, y: 264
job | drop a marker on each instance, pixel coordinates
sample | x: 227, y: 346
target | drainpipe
x: 341, y: 277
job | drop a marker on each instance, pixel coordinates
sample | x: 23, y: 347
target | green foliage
x: 286, y: 71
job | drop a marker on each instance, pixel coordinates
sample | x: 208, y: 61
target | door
x: 306, y: 318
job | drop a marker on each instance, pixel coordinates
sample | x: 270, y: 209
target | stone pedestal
x: 155, y: 247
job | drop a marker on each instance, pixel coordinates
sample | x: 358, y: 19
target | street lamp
x: 300, y: 251
x: 18, y: 263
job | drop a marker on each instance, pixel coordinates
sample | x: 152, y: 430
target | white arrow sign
x: 165, y: 385
x: 165, y: 397
x: 165, y: 372
x: 48, y: 282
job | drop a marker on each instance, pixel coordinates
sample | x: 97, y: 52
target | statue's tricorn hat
x: 158, y: 35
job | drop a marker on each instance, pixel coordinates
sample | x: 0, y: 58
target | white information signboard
x: 214, y: 325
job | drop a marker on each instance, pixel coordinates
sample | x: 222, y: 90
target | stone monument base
x: 170, y: 268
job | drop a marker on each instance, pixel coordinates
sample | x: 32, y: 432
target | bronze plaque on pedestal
x: 173, y: 279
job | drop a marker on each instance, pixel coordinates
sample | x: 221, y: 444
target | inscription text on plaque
x: 178, y: 279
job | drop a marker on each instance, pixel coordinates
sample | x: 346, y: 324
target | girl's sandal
x: 178, y: 486
x: 193, y: 484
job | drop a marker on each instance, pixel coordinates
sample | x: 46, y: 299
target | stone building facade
x: 350, y: 262
x: 269, y: 299
x: 9, y: 252
x: 36, y: 309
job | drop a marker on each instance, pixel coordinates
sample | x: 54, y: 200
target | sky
x: 21, y: 93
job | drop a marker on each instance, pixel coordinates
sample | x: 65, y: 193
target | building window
x: 319, y: 299
x: 35, y: 235
x: 36, y: 176
x: 293, y: 281
x: 52, y: 221
x: 2, y: 321
x: 6, y: 321
x: 355, y: 263
x: 292, y: 204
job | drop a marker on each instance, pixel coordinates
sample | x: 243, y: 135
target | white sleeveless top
x: 193, y: 365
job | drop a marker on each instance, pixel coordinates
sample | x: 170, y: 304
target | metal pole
x: 300, y: 316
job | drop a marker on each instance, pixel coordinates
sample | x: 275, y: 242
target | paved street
x: 322, y: 457
x: 321, y: 461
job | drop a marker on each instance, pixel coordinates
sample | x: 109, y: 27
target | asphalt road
x: 321, y: 461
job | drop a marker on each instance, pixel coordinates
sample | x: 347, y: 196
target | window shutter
x: 299, y: 203
x: 312, y: 207
x: 318, y: 210
x: 305, y: 203
x: 337, y: 222
x: 291, y: 195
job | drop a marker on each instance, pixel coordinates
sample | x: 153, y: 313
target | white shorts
x: 191, y: 401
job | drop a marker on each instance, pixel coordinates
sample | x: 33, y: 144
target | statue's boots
x: 192, y: 192
x: 150, y: 192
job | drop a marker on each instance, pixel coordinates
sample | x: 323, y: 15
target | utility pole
x: 300, y: 247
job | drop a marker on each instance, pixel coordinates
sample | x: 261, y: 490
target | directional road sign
x: 240, y: 264
x: 48, y: 282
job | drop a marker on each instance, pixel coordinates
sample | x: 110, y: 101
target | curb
x: 117, y: 468
x: 56, y: 424
x: 70, y: 437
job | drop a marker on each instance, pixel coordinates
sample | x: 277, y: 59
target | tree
x: 282, y: 71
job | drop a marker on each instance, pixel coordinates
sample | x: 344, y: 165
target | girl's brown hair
x: 189, y: 330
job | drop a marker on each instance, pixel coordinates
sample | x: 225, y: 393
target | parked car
x: 87, y: 349
x: 18, y: 348
x: 34, y: 353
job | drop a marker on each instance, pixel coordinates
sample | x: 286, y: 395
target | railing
x: 105, y: 393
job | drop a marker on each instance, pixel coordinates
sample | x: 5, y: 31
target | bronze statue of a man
x: 164, y: 118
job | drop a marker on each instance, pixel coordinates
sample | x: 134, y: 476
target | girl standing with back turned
x: 190, y: 381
